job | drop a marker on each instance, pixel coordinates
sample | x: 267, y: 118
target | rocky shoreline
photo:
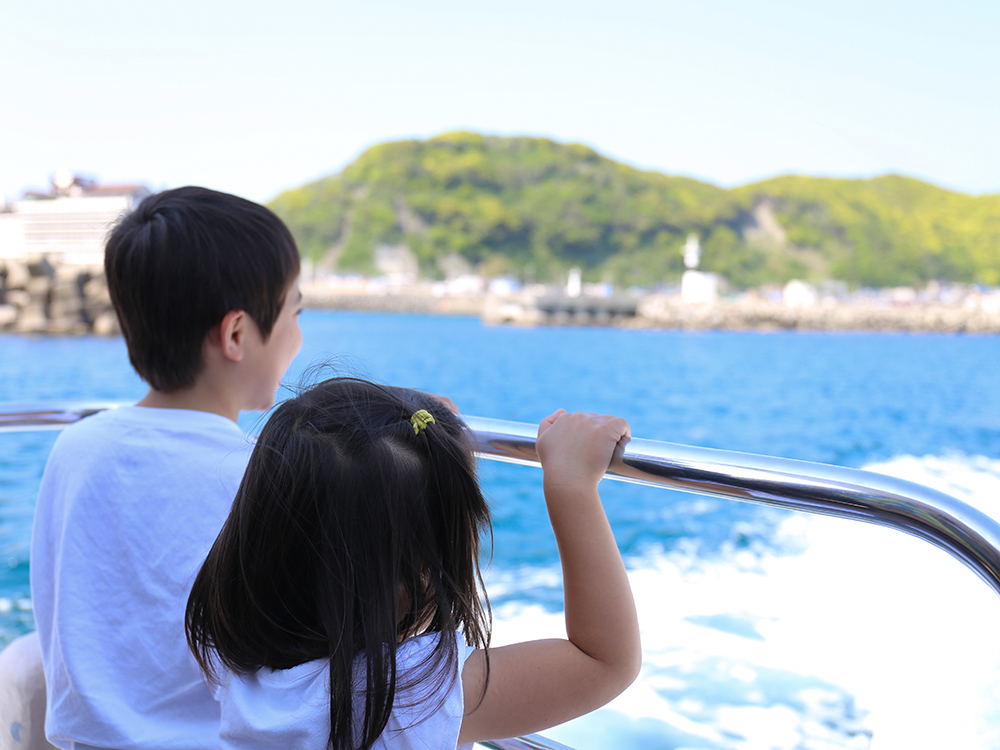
x: 37, y: 297
x: 420, y: 302
x: 860, y: 316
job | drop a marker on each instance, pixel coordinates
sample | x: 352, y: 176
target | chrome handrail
x: 29, y: 417
x: 956, y: 527
x: 527, y: 742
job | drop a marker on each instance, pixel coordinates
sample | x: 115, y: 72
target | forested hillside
x: 532, y: 207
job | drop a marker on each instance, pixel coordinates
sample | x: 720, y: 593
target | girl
x: 328, y: 610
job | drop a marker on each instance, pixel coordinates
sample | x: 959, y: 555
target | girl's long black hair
x: 350, y: 532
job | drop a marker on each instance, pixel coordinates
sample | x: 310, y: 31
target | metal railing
x: 29, y: 417
x: 528, y: 742
x: 958, y: 528
x: 967, y: 533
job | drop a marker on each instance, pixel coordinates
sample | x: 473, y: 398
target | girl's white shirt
x: 291, y: 708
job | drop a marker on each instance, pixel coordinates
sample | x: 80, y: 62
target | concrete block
x: 17, y: 297
x: 106, y: 324
x: 17, y: 274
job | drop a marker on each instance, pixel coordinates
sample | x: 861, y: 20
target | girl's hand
x: 447, y: 402
x: 576, y: 449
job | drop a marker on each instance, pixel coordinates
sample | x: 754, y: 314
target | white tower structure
x: 696, y: 287
x: 692, y: 252
x: 574, y: 283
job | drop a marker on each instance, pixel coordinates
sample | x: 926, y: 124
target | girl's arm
x: 538, y: 684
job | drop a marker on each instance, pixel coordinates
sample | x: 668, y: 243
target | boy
x: 205, y: 286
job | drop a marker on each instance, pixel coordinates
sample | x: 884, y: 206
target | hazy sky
x: 253, y: 97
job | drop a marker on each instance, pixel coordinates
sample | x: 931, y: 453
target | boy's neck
x: 216, y: 389
x: 194, y: 399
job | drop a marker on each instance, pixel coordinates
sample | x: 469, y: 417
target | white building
x: 67, y: 225
x: 799, y: 294
x: 699, y: 288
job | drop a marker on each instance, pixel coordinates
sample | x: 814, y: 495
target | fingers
x: 612, y: 424
x: 624, y: 432
x: 448, y: 403
x: 611, y: 432
x: 582, y: 433
x: 621, y: 427
x: 549, y: 420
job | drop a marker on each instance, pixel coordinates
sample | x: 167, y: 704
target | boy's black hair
x: 182, y: 260
x: 351, y: 531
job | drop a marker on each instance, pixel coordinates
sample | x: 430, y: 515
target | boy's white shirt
x: 130, y: 503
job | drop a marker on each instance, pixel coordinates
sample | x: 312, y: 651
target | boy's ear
x: 230, y: 334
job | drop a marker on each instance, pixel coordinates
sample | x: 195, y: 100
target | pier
x: 550, y: 309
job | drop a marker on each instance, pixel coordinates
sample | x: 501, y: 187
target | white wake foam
x: 863, y: 637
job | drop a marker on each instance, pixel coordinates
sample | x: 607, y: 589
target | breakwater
x: 974, y: 316
x: 39, y: 296
x: 412, y: 300
x: 657, y: 311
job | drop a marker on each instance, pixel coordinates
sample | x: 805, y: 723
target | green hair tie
x: 420, y: 420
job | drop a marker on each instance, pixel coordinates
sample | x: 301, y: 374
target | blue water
x: 845, y: 399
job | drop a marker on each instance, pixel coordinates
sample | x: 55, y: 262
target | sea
x: 761, y: 628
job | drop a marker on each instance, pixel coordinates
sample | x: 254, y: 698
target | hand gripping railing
x: 967, y: 533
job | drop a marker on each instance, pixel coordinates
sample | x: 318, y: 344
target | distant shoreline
x: 669, y: 313
x: 57, y: 299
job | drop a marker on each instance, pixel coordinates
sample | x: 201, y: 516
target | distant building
x: 799, y: 294
x: 68, y: 224
x: 698, y: 287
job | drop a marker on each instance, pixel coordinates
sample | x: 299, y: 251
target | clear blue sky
x: 253, y: 97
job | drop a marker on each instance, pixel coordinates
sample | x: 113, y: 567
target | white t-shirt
x: 131, y: 501
x: 291, y: 708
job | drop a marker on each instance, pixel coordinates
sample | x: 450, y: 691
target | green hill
x: 534, y: 208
